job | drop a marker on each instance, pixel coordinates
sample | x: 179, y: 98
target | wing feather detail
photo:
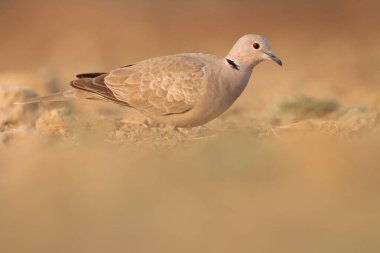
x: 164, y: 85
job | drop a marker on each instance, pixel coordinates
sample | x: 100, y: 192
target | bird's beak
x: 274, y: 58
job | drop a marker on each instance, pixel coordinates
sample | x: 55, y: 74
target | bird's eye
x: 256, y: 46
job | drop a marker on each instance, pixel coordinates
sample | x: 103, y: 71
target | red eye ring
x: 256, y: 46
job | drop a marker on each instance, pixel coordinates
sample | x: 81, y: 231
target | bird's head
x: 250, y: 50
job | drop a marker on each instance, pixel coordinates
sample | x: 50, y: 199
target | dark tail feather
x: 56, y: 97
x: 89, y: 75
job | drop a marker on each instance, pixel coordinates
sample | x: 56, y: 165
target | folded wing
x: 160, y: 86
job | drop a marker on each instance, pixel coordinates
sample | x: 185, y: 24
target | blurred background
x: 330, y: 48
x: 238, y: 192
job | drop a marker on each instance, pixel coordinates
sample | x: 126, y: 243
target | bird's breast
x: 223, y: 93
x: 234, y: 84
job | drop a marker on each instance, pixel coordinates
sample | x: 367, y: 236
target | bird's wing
x: 94, y: 83
x: 160, y: 86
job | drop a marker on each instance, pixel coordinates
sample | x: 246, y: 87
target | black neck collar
x: 233, y: 64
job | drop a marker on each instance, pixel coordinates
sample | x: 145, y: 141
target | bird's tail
x: 56, y: 97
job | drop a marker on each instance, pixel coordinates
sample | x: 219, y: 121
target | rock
x: 11, y: 135
x: 328, y: 127
x: 357, y: 121
x: 57, y: 122
x: 16, y: 115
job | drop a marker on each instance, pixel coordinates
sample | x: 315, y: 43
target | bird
x: 183, y: 90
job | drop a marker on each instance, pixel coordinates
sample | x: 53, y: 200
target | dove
x: 182, y: 90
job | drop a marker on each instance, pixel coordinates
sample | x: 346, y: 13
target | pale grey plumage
x: 183, y: 90
x: 161, y: 86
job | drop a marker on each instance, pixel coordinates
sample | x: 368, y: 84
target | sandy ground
x: 293, y: 166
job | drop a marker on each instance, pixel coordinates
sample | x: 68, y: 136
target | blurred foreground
x: 237, y: 185
x: 233, y: 194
